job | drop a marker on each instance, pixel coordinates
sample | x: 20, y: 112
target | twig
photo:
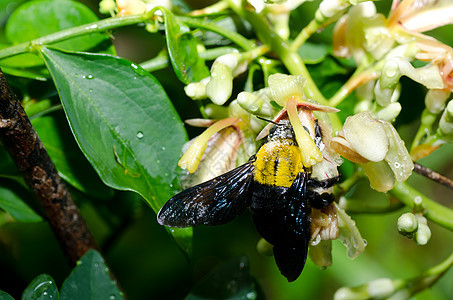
x: 427, y: 172
x: 23, y: 144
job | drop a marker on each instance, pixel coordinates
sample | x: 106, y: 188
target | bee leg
x: 324, y: 184
x: 318, y: 200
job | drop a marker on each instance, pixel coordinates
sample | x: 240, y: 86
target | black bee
x: 276, y: 187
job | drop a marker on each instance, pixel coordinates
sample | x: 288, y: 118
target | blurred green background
x: 149, y: 264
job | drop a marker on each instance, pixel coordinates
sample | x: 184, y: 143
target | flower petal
x: 426, y: 15
x: 398, y: 157
x: 380, y: 175
x: 367, y: 136
x: 283, y: 87
x: 349, y: 234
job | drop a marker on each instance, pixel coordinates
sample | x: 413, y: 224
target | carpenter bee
x: 276, y: 188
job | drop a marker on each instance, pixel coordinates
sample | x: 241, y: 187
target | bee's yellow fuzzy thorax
x: 278, y: 162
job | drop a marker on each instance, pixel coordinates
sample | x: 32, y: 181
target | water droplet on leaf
x: 140, y: 135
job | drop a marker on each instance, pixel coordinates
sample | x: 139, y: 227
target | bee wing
x: 213, y: 202
x: 291, y: 254
x: 287, y: 227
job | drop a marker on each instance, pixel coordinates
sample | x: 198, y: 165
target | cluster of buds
x: 219, y: 86
x: 414, y: 226
x: 382, y: 288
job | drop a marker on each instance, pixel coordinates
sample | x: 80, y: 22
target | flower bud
x: 330, y: 8
x: 390, y: 74
x: 407, y: 224
x: 386, y: 96
x: 254, y: 104
x: 130, y: 7
x: 214, y: 111
x: 107, y: 6
x: 220, y: 86
x: 446, y: 121
x: 346, y: 293
x: 423, y: 234
x: 389, y: 113
x: 197, y: 90
x: 377, y: 289
x: 435, y: 100
x: 380, y: 288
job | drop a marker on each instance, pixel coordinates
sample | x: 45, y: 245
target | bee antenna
x: 267, y: 120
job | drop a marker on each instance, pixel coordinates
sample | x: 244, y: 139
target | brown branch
x: 427, y: 172
x: 26, y: 149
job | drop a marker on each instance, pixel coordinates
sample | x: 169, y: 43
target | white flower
x: 376, y: 145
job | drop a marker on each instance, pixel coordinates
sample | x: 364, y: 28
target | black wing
x: 287, y: 227
x: 213, y: 202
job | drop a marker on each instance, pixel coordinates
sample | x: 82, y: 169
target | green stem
x: 305, y: 33
x: 429, y: 277
x: 346, y: 185
x: 291, y: 59
x: 426, y: 127
x: 361, y: 75
x: 361, y: 207
x: 98, y: 26
x: 161, y: 61
x: 433, y: 211
x: 236, y: 38
x: 216, y: 8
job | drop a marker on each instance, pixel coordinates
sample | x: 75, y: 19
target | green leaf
x: 5, y: 296
x: 124, y: 123
x: 313, y: 53
x: 11, y: 201
x: 231, y: 280
x: 42, y: 17
x: 6, y: 7
x: 72, y: 166
x: 7, y: 167
x: 90, y: 280
x: 41, y: 288
x: 182, y: 50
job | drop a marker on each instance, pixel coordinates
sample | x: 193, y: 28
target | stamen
x: 310, y: 153
x: 191, y: 159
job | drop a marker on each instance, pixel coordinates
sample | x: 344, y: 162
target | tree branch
x: 427, y: 172
x: 23, y: 144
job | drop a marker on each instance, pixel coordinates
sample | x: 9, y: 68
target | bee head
x: 281, y: 130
